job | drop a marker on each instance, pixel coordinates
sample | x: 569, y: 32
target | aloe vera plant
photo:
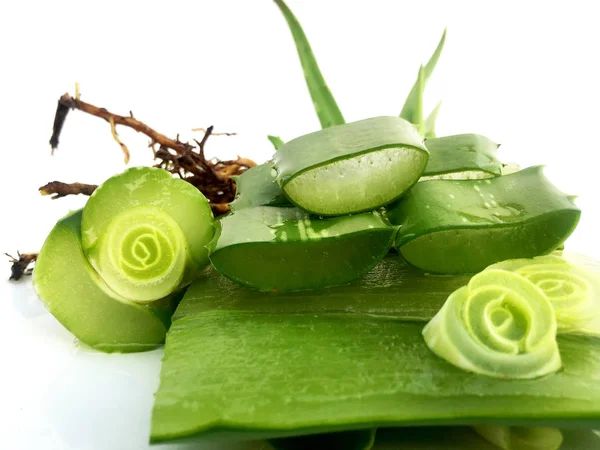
x: 322, y: 361
x: 451, y: 226
x: 140, y: 238
x: 283, y: 249
x: 351, y: 168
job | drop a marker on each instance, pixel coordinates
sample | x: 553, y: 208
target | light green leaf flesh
x: 325, y: 106
x: 521, y: 438
x: 285, y: 249
x: 449, y: 226
x: 499, y: 325
x: 351, y: 168
x: 80, y: 300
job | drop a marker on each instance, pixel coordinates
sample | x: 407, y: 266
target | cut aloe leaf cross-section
x: 284, y: 249
x: 463, y: 226
x: 463, y: 156
x: 73, y: 292
x: 257, y: 187
x: 351, y: 168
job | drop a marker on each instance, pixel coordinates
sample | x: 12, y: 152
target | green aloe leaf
x: 521, y: 438
x: 412, y: 109
x: 429, y: 125
x: 462, y: 226
x: 348, y: 358
x: 285, y: 249
x: 351, y: 168
x: 257, y: 187
x: 276, y: 141
x: 327, y: 109
x: 461, y: 157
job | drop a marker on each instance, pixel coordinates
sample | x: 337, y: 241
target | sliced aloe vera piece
x: 343, y: 440
x: 462, y: 157
x: 145, y: 232
x: 257, y: 187
x: 449, y: 226
x: 249, y: 375
x: 82, y: 302
x: 351, y: 168
x: 284, y: 249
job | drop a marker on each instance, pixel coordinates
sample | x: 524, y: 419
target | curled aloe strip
x: 276, y: 141
x: 461, y: 157
x: 573, y: 291
x: 499, y: 325
x: 463, y: 226
x: 327, y: 109
x: 285, y: 249
x: 521, y: 438
x: 411, y: 108
x: 257, y: 187
x: 146, y: 232
x: 342, y: 440
x: 351, y: 168
x: 83, y: 303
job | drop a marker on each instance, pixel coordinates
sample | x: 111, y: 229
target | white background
x: 523, y: 73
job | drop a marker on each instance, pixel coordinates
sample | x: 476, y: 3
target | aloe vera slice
x: 464, y: 156
x: 500, y: 325
x: 145, y: 232
x: 343, y: 440
x: 327, y: 109
x: 82, y: 302
x: 251, y: 375
x: 284, y: 249
x: 257, y: 187
x: 450, y: 226
x: 351, y: 168
x: 573, y: 291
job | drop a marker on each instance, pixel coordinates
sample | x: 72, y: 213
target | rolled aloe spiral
x: 500, y: 325
x: 145, y: 233
x: 573, y: 291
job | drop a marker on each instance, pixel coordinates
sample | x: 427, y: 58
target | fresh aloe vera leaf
x: 463, y: 156
x: 262, y: 375
x: 410, y: 110
x: 325, y: 106
x: 429, y: 125
x: 342, y: 440
x: 284, y: 249
x: 81, y: 301
x: 392, y: 289
x: 351, y: 168
x: 451, y: 226
x: 276, y: 141
x: 257, y: 187
x: 521, y: 438
x: 500, y: 325
x: 573, y: 291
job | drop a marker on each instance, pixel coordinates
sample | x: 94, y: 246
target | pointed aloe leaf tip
x: 325, y: 106
x: 411, y: 103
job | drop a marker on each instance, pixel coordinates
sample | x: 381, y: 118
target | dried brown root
x: 58, y: 189
x: 20, y: 265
